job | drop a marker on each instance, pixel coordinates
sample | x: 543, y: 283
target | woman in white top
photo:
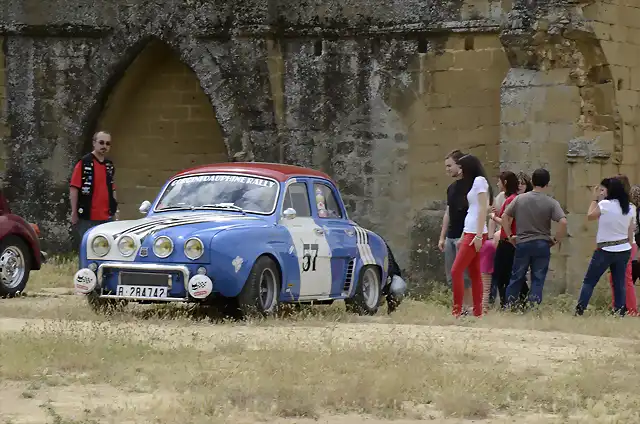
x: 631, y: 301
x: 474, y: 234
x: 616, y: 225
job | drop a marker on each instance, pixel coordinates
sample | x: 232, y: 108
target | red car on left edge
x: 19, y: 250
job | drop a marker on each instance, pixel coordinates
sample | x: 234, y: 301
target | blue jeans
x: 600, y: 262
x: 534, y: 254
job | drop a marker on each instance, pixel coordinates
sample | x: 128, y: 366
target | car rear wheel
x: 260, y: 293
x: 366, y: 299
x: 15, y: 265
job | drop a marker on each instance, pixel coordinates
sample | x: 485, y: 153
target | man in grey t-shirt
x: 533, y: 213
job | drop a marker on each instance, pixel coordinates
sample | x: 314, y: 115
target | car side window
x: 297, y: 198
x: 326, y: 202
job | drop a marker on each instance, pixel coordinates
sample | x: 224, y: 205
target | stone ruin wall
x: 375, y: 94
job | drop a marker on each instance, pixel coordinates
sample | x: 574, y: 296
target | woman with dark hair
x: 503, y: 262
x: 616, y: 225
x: 634, y: 196
x: 479, y: 197
x: 631, y: 301
x: 524, y: 183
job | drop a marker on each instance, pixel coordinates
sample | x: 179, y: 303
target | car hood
x: 179, y: 224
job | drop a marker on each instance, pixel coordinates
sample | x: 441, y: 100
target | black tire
x: 15, y: 252
x: 264, y: 275
x: 361, y: 303
x: 393, y: 301
x: 394, y: 268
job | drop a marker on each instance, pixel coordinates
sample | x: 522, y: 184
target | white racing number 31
x: 309, y: 257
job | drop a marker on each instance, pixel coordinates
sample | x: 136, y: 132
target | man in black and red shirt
x: 92, y: 189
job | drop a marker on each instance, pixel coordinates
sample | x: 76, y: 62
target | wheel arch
x: 34, y: 261
x: 380, y: 252
x: 273, y: 257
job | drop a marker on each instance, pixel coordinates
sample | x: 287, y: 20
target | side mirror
x: 289, y: 213
x: 144, y: 207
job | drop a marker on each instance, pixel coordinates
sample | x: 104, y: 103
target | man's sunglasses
x: 104, y: 143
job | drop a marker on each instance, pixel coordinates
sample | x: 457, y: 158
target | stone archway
x: 161, y: 122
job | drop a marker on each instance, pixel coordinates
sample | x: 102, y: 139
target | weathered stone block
x: 515, y: 133
x: 634, y: 79
x: 475, y: 9
x: 621, y: 75
x: 427, y: 261
x: 174, y: 113
x: 633, y: 36
x: 487, y: 41
x: 514, y: 152
x: 603, y: 31
x: 483, y: 137
x: 614, y: 52
x: 456, y: 42
x: 439, y: 62
x: 440, y: 137
x: 629, y: 16
x: 435, y: 100
x: 475, y: 98
x: 627, y: 168
x: 552, y: 77
x: 472, y: 59
x: 603, y: 12
x: 629, y: 135
x: 629, y: 114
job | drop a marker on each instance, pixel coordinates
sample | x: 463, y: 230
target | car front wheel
x: 366, y: 299
x: 260, y: 293
x: 15, y: 265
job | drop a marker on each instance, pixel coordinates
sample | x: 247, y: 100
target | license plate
x: 142, y: 291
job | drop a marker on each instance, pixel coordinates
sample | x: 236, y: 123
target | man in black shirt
x: 453, y: 220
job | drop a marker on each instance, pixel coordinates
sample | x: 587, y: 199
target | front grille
x: 145, y: 279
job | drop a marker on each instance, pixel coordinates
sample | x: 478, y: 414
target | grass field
x: 61, y: 363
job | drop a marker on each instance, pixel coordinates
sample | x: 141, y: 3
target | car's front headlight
x: 162, y: 247
x: 193, y: 248
x: 100, y: 245
x: 126, y: 245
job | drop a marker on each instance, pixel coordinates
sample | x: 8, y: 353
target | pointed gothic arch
x: 160, y: 118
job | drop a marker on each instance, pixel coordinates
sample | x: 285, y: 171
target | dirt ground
x: 61, y: 363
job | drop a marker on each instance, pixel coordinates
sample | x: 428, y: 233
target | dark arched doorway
x: 161, y: 121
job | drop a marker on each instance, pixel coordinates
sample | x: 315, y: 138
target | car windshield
x: 240, y: 193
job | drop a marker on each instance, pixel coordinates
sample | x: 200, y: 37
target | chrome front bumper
x: 126, y: 266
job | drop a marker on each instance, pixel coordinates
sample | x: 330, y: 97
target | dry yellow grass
x: 61, y: 363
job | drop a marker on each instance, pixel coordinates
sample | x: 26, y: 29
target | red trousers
x: 467, y: 257
x: 631, y: 303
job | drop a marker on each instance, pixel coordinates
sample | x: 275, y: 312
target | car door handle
x: 318, y: 231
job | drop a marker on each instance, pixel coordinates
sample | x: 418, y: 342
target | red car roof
x: 276, y: 171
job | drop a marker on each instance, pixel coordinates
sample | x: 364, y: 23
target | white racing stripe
x: 362, y: 241
x: 142, y: 228
x: 176, y: 223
